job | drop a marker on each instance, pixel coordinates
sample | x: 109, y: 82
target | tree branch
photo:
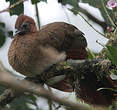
x: 94, y: 19
x: 9, y: 80
x: 92, y: 26
x: 93, y: 69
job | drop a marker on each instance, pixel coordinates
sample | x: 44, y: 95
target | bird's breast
x: 24, y: 56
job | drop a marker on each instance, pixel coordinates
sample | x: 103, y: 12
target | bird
x: 32, y: 51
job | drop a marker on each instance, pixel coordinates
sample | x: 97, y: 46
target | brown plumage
x: 86, y: 89
x: 32, y: 51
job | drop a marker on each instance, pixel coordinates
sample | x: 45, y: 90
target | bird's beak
x: 17, y: 31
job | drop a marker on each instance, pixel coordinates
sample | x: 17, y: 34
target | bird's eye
x: 25, y: 25
x: 24, y: 28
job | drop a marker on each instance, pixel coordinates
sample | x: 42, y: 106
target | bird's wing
x: 62, y: 37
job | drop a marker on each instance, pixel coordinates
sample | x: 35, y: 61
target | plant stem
x: 107, y: 14
x: 92, y: 26
x: 37, y: 15
x: 50, y: 101
x: 93, y: 55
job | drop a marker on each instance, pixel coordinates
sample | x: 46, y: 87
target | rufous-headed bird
x: 32, y: 51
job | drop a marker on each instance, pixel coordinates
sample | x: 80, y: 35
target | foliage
x: 113, y: 106
x: 36, y: 1
x: 21, y: 103
x: 73, y: 3
x: 2, y: 34
x: 112, y: 53
x: 98, y: 4
x: 95, y: 3
x: 17, y: 10
x: 90, y: 56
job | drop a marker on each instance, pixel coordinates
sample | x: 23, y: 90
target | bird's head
x: 25, y: 24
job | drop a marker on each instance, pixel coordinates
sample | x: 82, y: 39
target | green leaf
x: 113, y: 106
x: 113, y: 71
x: 98, y: 4
x: 2, y: 38
x: 17, y: 10
x: 74, y: 11
x: 20, y: 103
x: 111, y: 52
x: 36, y: 1
x: 2, y: 34
x: 90, y: 56
x: 110, y: 89
x: 2, y: 25
x: 10, y: 34
x: 73, y: 3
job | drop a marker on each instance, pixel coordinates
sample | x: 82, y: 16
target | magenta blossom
x: 112, y: 3
x: 108, y: 29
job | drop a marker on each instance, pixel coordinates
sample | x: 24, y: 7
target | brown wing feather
x: 65, y: 37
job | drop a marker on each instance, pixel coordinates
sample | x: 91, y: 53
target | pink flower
x: 108, y: 29
x: 112, y: 3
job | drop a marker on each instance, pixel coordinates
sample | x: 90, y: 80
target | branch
x: 94, y: 19
x: 95, y: 70
x: 9, y: 80
x: 12, y: 6
x: 92, y: 26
